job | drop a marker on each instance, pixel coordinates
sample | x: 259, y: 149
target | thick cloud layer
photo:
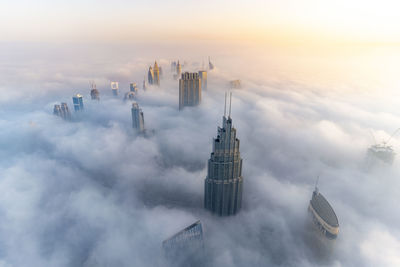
x: 92, y: 193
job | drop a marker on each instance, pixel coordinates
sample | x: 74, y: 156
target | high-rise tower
x: 78, y: 102
x: 203, y: 77
x: 65, y: 114
x: 133, y: 87
x: 224, y: 183
x: 150, y: 75
x: 114, y: 88
x: 94, y: 93
x: 137, y: 117
x: 189, y: 90
x: 156, y: 72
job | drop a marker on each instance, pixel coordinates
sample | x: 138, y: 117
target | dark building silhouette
x: 224, y: 183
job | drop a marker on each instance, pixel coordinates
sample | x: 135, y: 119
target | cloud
x: 92, y: 193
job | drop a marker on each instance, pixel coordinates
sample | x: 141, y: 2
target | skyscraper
x: 189, y: 90
x: 137, y: 117
x: 133, y: 87
x: 203, y: 78
x: 178, y: 70
x: 210, y: 65
x: 156, y: 72
x: 57, y: 110
x: 94, y: 93
x: 78, y: 102
x: 150, y: 75
x: 144, y: 84
x: 186, y: 248
x: 114, y: 88
x: 65, y: 114
x: 323, y: 215
x: 224, y: 183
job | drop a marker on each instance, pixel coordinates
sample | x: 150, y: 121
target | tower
x: 144, y: 83
x: 133, y: 87
x: 150, y: 75
x: 94, y: 93
x: 210, y: 65
x: 189, y: 90
x: 203, y: 78
x: 78, y: 102
x: 178, y: 69
x: 114, y: 88
x: 57, y: 110
x: 224, y: 182
x: 156, y: 72
x: 137, y: 117
x: 65, y: 114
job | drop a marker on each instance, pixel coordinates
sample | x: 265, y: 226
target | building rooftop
x: 324, y: 209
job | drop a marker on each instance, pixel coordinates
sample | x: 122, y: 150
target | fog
x: 91, y: 192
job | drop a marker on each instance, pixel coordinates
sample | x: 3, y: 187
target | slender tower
x: 224, y: 183
x: 94, y: 93
x: 137, y: 117
x: 114, y: 88
x: 156, y: 72
x: 189, y: 90
x: 150, y: 75
x: 77, y: 100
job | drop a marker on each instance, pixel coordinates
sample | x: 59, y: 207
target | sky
x: 265, y: 21
x: 314, y: 98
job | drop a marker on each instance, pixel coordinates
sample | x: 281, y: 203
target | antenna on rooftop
x: 316, y: 184
x: 230, y: 104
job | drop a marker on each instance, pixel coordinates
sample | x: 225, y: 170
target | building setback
x: 224, y: 183
x: 137, y: 117
x: 189, y: 90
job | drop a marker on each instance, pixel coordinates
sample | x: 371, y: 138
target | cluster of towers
x: 62, y: 111
x: 153, y: 75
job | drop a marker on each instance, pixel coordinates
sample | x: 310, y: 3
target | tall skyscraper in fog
x: 114, y: 88
x: 185, y: 248
x: 65, y: 114
x: 154, y: 75
x: 94, y: 93
x: 133, y: 87
x: 137, y: 117
x: 224, y: 183
x: 77, y: 100
x: 189, y: 90
x: 203, y: 78
x: 150, y: 75
x: 156, y: 71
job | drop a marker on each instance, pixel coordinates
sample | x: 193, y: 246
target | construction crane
x: 383, y: 151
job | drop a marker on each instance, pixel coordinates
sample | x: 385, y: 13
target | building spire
x: 230, y: 104
x: 225, y: 106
